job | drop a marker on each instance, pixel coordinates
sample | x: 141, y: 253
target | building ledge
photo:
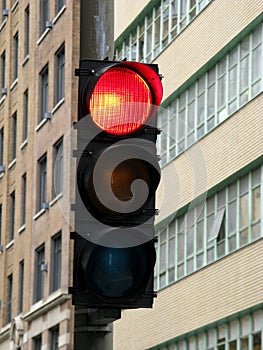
x: 53, y: 300
x: 5, y: 332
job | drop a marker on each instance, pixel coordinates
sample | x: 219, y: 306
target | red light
x: 121, y: 102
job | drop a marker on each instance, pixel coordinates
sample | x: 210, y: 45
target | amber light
x: 121, y: 102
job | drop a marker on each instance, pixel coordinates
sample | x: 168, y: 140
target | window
x: 44, y: 14
x: 43, y: 93
x: 42, y: 181
x: 159, y: 27
x: 14, y: 134
x: 59, y: 5
x: 58, y: 168
x: 60, y: 74
x: 213, y: 97
x: 37, y: 342
x: 223, y: 223
x: 54, y: 334
x: 15, y: 56
x: 39, y: 273
x: 2, y: 146
x: 233, y: 333
x: 56, y: 263
x: 9, y: 298
x: 23, y: 201
x: 25, y: 115
x: 27, y: 13
x: 12, y: 215
x: 21, y: 286
x: 3, y: 63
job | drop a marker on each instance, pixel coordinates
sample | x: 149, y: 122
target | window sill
x: 2, y: 99
x: 38, y: 214
x: 58, y: 105
x: 22, y: 228
x: 23, y: 145
x: 58, y: 15
x: 3, y: 24
x: 25, y: 60
x: 10, y: 244
x: 45, y: 33
x: 14, y: 84
x: 60, y: 195
x: 43, y: 122
x: 12, y: 164
x: 14, y: 6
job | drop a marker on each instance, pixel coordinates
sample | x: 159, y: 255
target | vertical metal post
x: 96, y: 42
x: 97, y: 29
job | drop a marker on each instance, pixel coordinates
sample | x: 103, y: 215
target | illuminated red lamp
x: 125, y: 98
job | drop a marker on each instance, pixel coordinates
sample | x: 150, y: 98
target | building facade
x: 210, y: 228
x: 39, y: 52
x: 209, y: 252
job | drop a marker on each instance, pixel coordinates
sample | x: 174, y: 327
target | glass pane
x: 201, y: 108
x: 200, y: 236
x: 257, y: 341
x: 233, y: 57
x: 181, y: 271
x: 244, y: 211
x: 233, y: 345
x: 190, y: 266
x: 243, y: 237
x: 244, y: 185
x: 211, y: 100
x: 171, y: 276
x: 180, y: 248
x: 258, y: 320
x: 257, y: 63
x: 163, y: 257
x: 171, y: 252
x: 210, y: 255
x: 244, y: 47
x: 244, y: 73
x: 256, y: 203
x: 200, y: 261
x: 256, y: 231
x: 190, y: 241
x: 256, y: 175
x: 244, y: 344
x: 232, y: 243
x: 233, y: 82
x: 232, y: 192
x: 245, y: 325
x: 233, y: 329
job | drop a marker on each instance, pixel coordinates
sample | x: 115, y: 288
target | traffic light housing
x: 117, y: 176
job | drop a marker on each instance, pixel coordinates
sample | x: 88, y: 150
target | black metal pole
x: 96, y: 42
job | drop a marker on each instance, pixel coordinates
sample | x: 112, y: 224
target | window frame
x: 12, y: 216
x: 21, y: 285
x: 60, y: 74
x: 58, y: 163
x: 39, y: 273
x: 56, y: 261
x: 16, y: 51
x: 42, y: 182
x: 44, y: 92
x: 27, y: 31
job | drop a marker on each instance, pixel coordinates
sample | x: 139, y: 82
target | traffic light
x: 117, y: 176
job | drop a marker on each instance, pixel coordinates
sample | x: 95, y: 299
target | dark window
x: 14, y: 132
x: 54, y: 334
x: 58, y: 168
x: 15, y: 56
x: 39, y: 273
x: 0, y: 224
x: 21, y: 286
x: 59, y: 5
x: 3, y: 70
x: 23, y: 201
x: 2, y: 146
x: 56, y: 263
x: 12, y: 215
x: 44, y: 14
x: 37, y: 342
x: 44, y: 93
x: 9, y: 298
x: 42, y: 181
x: 60, y: 74
x: 25, y: 121
x: 27, y: 31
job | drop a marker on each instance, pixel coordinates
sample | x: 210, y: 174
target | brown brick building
x: 210, y: 228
